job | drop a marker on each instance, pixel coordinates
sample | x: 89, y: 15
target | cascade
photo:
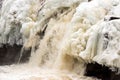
x: 59, y: 39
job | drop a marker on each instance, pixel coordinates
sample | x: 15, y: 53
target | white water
x: 75, y: 35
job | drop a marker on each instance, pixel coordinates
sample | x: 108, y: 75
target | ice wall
x: 15, y: 15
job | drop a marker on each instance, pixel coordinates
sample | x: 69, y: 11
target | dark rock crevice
x: 11, y: 54
x: 101, y: 72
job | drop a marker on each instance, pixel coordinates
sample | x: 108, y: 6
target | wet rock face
x: 11, y: 54
x: 101, y: 72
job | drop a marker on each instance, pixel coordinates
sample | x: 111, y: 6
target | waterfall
x: 62, y: 37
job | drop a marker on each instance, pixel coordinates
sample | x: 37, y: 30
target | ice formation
x: 64, y: 35
x: 16, y: 16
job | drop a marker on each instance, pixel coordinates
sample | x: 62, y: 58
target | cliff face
x: 75, y: 36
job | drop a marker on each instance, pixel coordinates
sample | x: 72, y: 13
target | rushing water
x: 63, y: 35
